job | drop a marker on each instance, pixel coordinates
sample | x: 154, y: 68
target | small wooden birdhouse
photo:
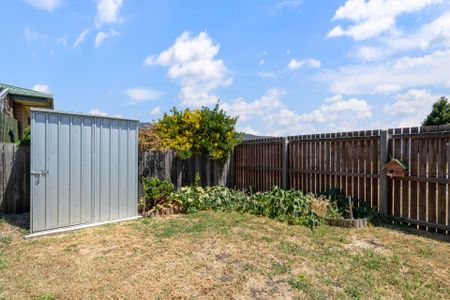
x: 395, y: 168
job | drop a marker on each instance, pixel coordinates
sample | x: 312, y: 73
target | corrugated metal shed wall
x: 85, y: 169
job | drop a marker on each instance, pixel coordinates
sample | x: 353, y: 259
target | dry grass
x: 223, y: 255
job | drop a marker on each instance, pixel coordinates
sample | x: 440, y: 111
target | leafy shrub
x: 26, y: 138
x: 291, y: 206
x: 339, y: 205
x: 206, y: 131
x: 157, y: 194
x: 148, y: 140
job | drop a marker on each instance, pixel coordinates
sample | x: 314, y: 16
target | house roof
x: 14, y: 90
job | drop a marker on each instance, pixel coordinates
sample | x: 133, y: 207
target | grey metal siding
x: 92, y: 169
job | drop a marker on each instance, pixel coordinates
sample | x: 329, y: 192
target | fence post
x: 285, y: 172
x: 383, y: 179
x: 230, y: 174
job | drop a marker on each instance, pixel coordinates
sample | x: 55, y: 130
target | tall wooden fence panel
x: 354, y: 162
x: 258, y: 164
x: 14, y: 179
x: 421, y: 197
x: 182, y: 171
x: 347, y: 161
x: 9, y: 130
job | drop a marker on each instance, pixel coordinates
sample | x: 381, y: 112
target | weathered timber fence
x: 353, y: 162
x: 9, y: 130
x: 182, y: 172
x: 259, y: 164
x: 14, y: 178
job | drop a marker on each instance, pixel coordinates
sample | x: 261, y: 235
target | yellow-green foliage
x: 208, y: 131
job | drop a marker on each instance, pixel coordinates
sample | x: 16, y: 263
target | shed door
x: 83, y: 169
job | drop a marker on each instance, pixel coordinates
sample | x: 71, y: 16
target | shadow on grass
x: 396, y: 224
x: 17, y: 220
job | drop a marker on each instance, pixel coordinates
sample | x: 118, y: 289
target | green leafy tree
x: 26, y: 138
x: 440, y: 115
x: 200, y: 131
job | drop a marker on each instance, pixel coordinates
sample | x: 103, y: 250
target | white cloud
x: 102, y: 36
x: 387, y: 88
x: 248, y: 130
x: 191, y: 59
x: 367, y: 53
x: 373, y: 17
x: 62, y: 40
x: 403, y: 73
x: 138, y: 95
x: 262, y: 62
x: 433, y: 34
x: 296, y: 64
x: 155, y: 111
x: 41, y: 88
x: 247, y: 110
x: 334, y: 114
x: 31, y: 35
x: 285, y: 4
x: 334, y: 98
x: 358, y: 109
x: 48, y: 5
x: 289, y: 3
x: 339, y: 115
x: 411, y: 107
x: 336, y: 32
x: 267, y: 74
x: 98, y: 112
x: 108, y: 12
x: 81, y: 38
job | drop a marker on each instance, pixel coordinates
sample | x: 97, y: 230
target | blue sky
x: 283, y: 66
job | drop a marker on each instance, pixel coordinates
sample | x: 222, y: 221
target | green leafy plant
x: 339, y: 205
x: 440, y: 115
x: 26, y: 138
x: 291, y: 206
x: 197, y: 179
x: 200, y: 131
x: 157, y: 194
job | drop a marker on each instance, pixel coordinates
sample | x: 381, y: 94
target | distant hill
x: 249, y: 137
x: 143, y: 124
x: 245, y: 137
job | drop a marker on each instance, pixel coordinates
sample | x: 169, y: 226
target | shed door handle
x: 39, y: 173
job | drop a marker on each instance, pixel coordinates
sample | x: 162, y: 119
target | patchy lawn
x: 223, y: 255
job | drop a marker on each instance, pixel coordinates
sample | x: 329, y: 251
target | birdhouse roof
x: 397, y: 162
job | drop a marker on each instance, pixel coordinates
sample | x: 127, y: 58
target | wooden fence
x: 259, y: 164
x: 9, y: 130
x: 182, y: 172
x: 353, y: 162
x: 14, y: 178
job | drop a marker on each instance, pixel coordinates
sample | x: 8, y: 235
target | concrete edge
x: 77, y: 227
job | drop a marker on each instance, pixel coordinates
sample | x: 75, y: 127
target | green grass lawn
x: 224, y: 255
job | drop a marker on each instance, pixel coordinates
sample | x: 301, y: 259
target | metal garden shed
x: 84, y: 170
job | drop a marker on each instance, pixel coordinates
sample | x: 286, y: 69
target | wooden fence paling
x: 14, y: 179
x: 384, y: 149
x: 182, y: 172
x: 354, y: 161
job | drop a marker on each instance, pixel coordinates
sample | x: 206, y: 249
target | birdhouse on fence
x: 395, y: 168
